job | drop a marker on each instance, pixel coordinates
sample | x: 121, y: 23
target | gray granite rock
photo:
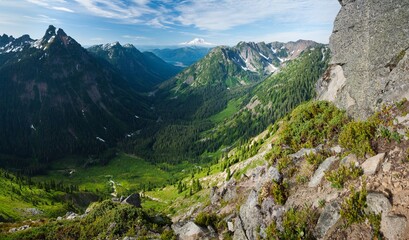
x: 133, y: 199
x: 189, y: 231
x: 328, y: 219
x: 320, y: 172
x: 350, y: 159
x: 371, y: 165
x: 378, y: 203
x: 302, y: 153
x: 369, y: 56
x: 393, y: 227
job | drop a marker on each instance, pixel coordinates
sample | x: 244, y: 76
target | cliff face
x: 370, y: 64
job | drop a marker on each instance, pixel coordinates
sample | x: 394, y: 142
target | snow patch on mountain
x: 197, y: 42
x: 266, y: 58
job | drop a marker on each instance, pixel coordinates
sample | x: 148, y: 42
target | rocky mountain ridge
x: 142, y: 70
x: 242, y: 64
x: 65, y: 99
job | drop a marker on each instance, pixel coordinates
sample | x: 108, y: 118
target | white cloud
x: 225, y: 14
x: 135, y: 38
x: 64, y: 9
x: 41, y: 18
x: 130, y: 12
x: 321, y: 36
x: 52, y: 4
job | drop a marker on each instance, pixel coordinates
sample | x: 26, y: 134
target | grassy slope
x: 169, y: 201
x: 130, y: 173
x: 15, y: 199
x: 233, y: 106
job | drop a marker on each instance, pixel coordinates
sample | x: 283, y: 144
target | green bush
x: 353, y: 207
x: 353, y: 211
x: 298, y: 223
x: 279, y: 191
x: 357, y: 136
x: 207, y: 219
x: 315, y: 159
x: 98, y: 224
x: 276, y: 153
x: 375, y: 222
x: 344, y: 173
x: 312, y: 123
x: 283, y: 163
x: 168, y: 235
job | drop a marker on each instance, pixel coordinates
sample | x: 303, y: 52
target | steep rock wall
x: 370, y: 64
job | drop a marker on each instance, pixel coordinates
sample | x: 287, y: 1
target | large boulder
x: 328, y: 219
x: 249, y: 219
x: 189, y: 231
x: 371, y: 165
x: 378, y: 203
x: 133, y: 199
x: 393, y: 227
x: 320, y: 172
x: 369, y: 65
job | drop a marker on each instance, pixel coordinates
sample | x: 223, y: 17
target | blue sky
x: 170, y: 22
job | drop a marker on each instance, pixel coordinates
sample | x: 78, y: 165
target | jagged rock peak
x: 61, y: 33
x: 112, y: 45
x: 50, y: 31
x: 128, y: 45
x: 370, y: 46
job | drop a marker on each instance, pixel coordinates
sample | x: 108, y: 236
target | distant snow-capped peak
x: 197, y: 42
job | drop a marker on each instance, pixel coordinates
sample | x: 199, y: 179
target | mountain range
x: 97, y: 97
x: 296, y: 140
x: 59, y: 99
x: 142, y: 70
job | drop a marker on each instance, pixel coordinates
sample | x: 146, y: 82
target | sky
x: 171, y: 22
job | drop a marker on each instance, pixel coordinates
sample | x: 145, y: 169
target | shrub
x: 344, y: 173
x: 298, y: 223
x: 283, y: 163
x: 315, y: 159
x: 276, y: 153
x: 356, y: 136
x: 312, y: 123
x: 207, y: 219
x: 353, y: 207
x: 375, y: 222
x: 98, y: 224
x: 279, y: 191
x: 168, y: 235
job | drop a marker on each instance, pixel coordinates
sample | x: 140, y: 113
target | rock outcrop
x: 370, y: 64
x: 189, y: 231
x: 133, y: 199
x: 320, y: 172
